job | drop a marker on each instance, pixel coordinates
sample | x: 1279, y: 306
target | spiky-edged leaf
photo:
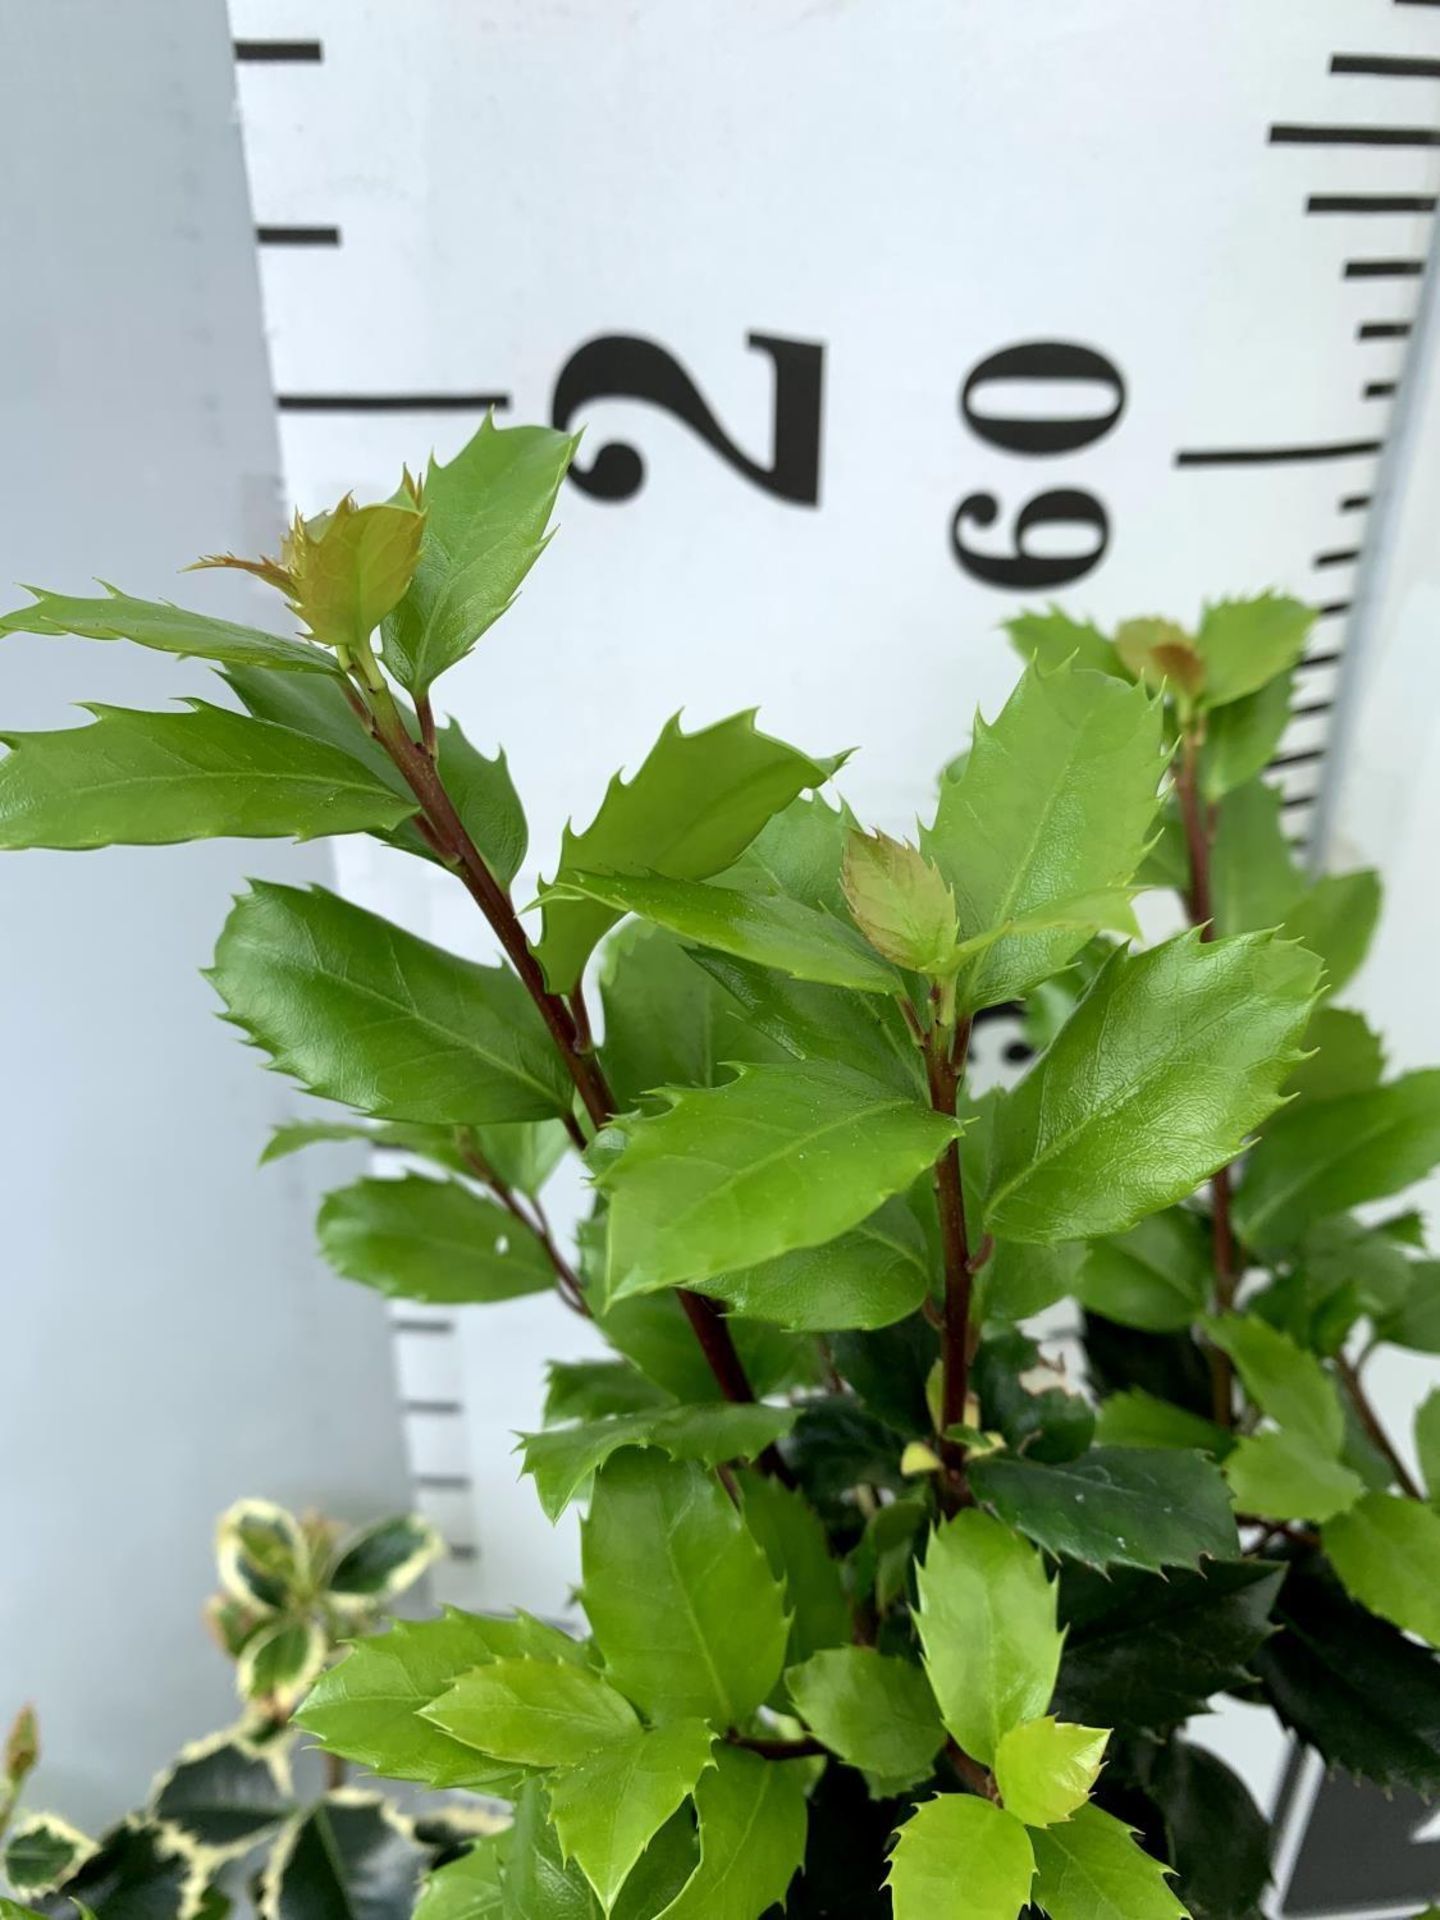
x: 1056, y: 799
x: 1052, y: 639
x: 752, y: 1838
x: 151, y: 779
x: 781, y: 1158
x: 536, y: 1713
x: 696, y: 803
x: 663, y: 1024
x: 1091, y: 1867
x: 470, y: 1888
x: 41, y: 1851
x: 1283, y: 1475
x: 872, y: 1276
x: 1157, y: 1277
x: 987, y: 1624
x: 793, y: 1540
x: 1136, y: 1418
x: 167, y: 628
x: 1386, y: 1550
x: 1200, y: 1799
x: 486, y: 513
x: 430, y: 1240
x: 1283, y: 1380
x: 349, y: 1855
x: 1241, y: 737
x: 1336, y: 919
x: 360, y: 1011
x: 563, y: 1459
x: 1153, y: 1083
x: 1046, y: 1768
x: 1254, y: 881
x: 1330, y: 1155
x: 961, y: 1858
x: 900, y: 902
x: 875, y: 1710
x: 1115, y: 1506
x: 221, y: 1795
x: 682, y: 1601
x: 1345, y: 1057
x: 1245, y: 643
x: 608, y: 1809
x: 351, y: 567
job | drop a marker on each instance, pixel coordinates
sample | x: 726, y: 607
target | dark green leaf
x: 752, y: 1838
x: 793, y: 1540
x: 564, y: 1459
x: 539, y: 1883
x: 42, y: 1850
x: 430, y: 1240
x: 221, y: 1796
x: 138, y: 1874
x: 1219, y: 1841
x: 1168, y: 1365
x: 1157, y: 1277
x: 1254, y: 882
x: 1025, y: 1400
x: 652, y: 1330
x: 484, y: 796
x: 660, y: 1015
x: 168, y: 628
x: 593, y: 1389
x: 349, y: 1856
x: 873, y: 1275
x: 359, y: 1011
x: 1115, y: 1506
x: 382, y: 1560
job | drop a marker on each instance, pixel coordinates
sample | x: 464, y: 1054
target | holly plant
x: 959, y: 1443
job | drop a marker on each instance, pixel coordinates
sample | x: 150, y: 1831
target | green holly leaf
x: 1254, y: 881
x: 1052, y: 639
x: 221, y: 1796
x: 351, y: 567
x: 1046, y: 1768
x: 684, y: 1607
x: 661, y: 1016
x: 1056, y: 799
x: 1386, y: 1550
x: 752, y: 1838
x: 986, y: 1618
x: 1337, y: 919
x: 767, y: 930
x: 1427, y: 1442
x: 1416, y: 1322
x: 961, y: 1858
x: 782, y: 1157
x: 695, y: 804
x: 42, y: 1850
x: 167, y: 628
x: 1351, y: 1686
x: 900, y: 902
x: 378, y: 1562
x: 1282, y: 1379
x: 1018, y: 1281
x: 470, y: 1888
x: 1144, y: 1651
x: 537, y: 1713
x: 1157, y: 1277
x: 150, y: 779
x: 540, y: 1884
x: 1090, y: 1867
x: 484, y: 796
x: 594, y: 1389
x: 875, y: 1710
x: 1088, y: 1144
x: 1022, y: 1397
x: 1241, y: 738
x: 793, y: 1540
x: 607, y: 1810
x: 430, y: 1240
x: 1136, y: 1418
x: 654, y: 1332
x: 359, y: 1011
x: 1115, y: 1506
x: 872, y: 1276
x: 1285, y: 1476
x: 367, y: 1709
x: 137, y: 1870
x: 486, y: 512
x: 349, y: 1855
x: 564, y: 1459
x: 1328, y: 1156
x: 809, y: 1022
x: 1200, y: 1799
x: 1245, y: 643
x: 1345, y: 1057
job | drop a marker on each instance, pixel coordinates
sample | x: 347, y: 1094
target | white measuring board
x: 882, y: 321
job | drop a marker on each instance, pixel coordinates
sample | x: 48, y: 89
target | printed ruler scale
x: 881, y: 323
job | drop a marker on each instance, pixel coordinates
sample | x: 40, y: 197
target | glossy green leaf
x: 1090, y: 1867
x: 1056, y: 799
x: 367, y: 1709
x: 1416, y: 1323
x: 1427, y: 1442
x: 1241, y: 738
x: 1284, y: 1475
x: 1254, y: 881
x: 1158, y: 1276
x: 538, y: 1713
x: 360, y: 1011
x: 682, y: 1601
x: 1346, y: 1057
x: 608, y: 1809
x: 137, y: 1871
x: 221, y: 1796
x: 168, y: 628
x: 469, y: 1888
x: 798, y: 853
x: 1386, y: 1550
x: 768, y: 930
x: 486, y: 513
x: 349, y: 1855
x: 1336, y: 919
x: 696, y: 803
x: 351, y: 567
x: 1153, y: 1083
x: 987, y: 1624
x: 793, y: 1540
x: 377, y: 1562
x: 563, y: 1459
x: 430, y: 1240
x: 594, y: 1389
x: 483, y: 794
x: 1245, y: 643
x: 150, y: 779
x: 1052, y: 639
x: 540, y: 1884
x: 1200, y: 1799
x: 872, y: 1276
x: 653, y: 1331
x: 900, y: 902
x: 809, y: 1022
x: 1328, y: 1156
x: 1046, y: 1768
x: 961, y: 1858
x: 781, y: 1158
x: 874, y: 1710
x: 1285, y: 1382
x: 1136, y: 1418
x: 752, y: 1838
x: 1144, y: 1651
x: 1115, y: 1506
x: 1019, y: 1280
x: 660, y: 1011
x: 1366, y: 1697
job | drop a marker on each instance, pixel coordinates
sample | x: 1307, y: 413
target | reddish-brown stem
x: 460, y: 853
x: 976, y: 1777
x: 807, y: 1748
x: 568, y: 1281
x: 425, y: 714
x: 1370, y: 1420
x: 945, y: 1055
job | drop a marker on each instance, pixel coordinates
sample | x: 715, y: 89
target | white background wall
x: 167, y: 1339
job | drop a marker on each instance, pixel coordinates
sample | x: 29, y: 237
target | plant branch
x: 807, y: 1748
x: 945, y: 1056
x: 1370, y: 1420
x: 976, y: 1777
x: 567, y: 1280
